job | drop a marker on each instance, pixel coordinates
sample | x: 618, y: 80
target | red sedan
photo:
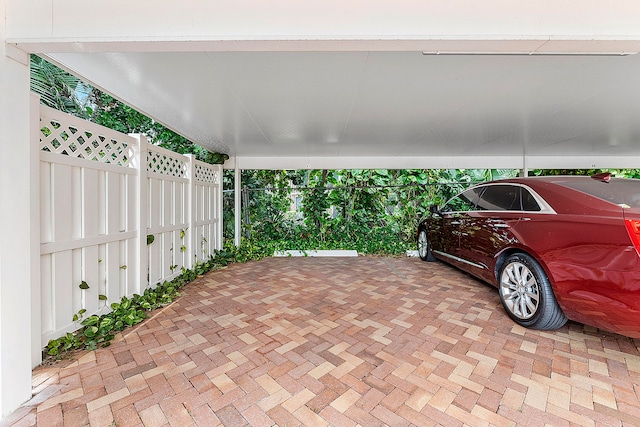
x: 557, y: 247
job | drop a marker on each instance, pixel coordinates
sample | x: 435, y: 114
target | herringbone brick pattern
x: 342, y: 342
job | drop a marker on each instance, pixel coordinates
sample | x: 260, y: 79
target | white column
x: 192, y: 215
x: 525, y: 167
x: 19, y: 229
x: 219, y: 207
x: 238, y: 203
x: 140, y: 164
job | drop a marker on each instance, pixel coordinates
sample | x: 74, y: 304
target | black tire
x: 526, y: 294
x: 424, y: 246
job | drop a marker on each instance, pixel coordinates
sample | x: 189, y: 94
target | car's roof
x: 557, y: 179
x: 618, y: 191
x: 566, y: 180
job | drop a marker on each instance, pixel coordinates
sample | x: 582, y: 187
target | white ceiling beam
x: 452, y: 162
x: 327, y: 25
x: 428, y: 46
x: 583, y: 162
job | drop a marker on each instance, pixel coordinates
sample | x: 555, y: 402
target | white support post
x: 191, y: 213
x: 36, y: 297
x: 220, y: 208
x: 238, y: 204
x: 19, y: 228
x: 525, y: 168
x: 140, y: 164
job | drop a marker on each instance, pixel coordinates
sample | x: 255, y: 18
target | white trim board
x: 316, y: 253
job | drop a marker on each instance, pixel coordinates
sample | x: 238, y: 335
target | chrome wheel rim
x: 520, y: 290
x: 423, y: 244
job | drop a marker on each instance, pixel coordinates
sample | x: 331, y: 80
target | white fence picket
x: 46, y: 214
x: 102, y: 269
x: 90, y: 268
x: 61, y: 303
x: 90, y: 196
x: 131, y: 203
x: 91, y: 209
x: 167, y: 222
x: 47, y: 295
x: 113, y: 203
x: 133, y: 287
x: 62, y: 214
x: 113, y: 272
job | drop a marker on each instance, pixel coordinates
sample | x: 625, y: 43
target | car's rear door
x: 453, y: 215
x: 487, y: 229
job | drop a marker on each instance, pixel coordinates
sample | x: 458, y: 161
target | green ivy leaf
x: 91, y: 320
x: 106, y: 323
x: 79, y: 314
x: 84, y: 285
x: 90, y: 331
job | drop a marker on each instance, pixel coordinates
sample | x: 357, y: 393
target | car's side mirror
x: 434, y: 209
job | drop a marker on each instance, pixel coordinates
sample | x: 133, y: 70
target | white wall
x: 19, y: 235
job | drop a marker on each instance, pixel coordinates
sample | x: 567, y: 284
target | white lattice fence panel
x: 168, y: 223
x: 208, y: 174
x: 61, y: 133
x: 91, y: 182
x: 88, y: 223
x: 165, y: 162
x: 208, y: 210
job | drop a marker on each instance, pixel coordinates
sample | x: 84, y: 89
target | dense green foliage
x: 371, y: 211
x: 618, y: 173
x: 57, y: 88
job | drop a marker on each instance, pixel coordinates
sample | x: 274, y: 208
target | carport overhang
x: 285, y: 85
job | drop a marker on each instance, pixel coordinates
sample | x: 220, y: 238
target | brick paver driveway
x: 342, y: 341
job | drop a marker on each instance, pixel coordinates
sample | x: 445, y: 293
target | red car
x: 557, y: 247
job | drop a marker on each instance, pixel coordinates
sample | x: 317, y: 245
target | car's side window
x: 500, y: 197
x: 463, y: 202
x: 529, y: 202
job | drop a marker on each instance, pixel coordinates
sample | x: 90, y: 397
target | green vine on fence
x: 100, y: 330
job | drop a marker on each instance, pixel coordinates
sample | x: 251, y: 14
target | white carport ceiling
x: 382, y: 104
x: 284, y: 101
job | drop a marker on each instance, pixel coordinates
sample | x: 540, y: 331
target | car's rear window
x: 618, y: 191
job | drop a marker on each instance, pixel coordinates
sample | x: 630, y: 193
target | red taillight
x: 633, y: 228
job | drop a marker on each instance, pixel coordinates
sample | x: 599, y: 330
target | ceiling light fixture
x: 453, y: 53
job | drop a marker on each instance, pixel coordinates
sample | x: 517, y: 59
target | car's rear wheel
x: 526, y: 294
x: 424, y: 246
